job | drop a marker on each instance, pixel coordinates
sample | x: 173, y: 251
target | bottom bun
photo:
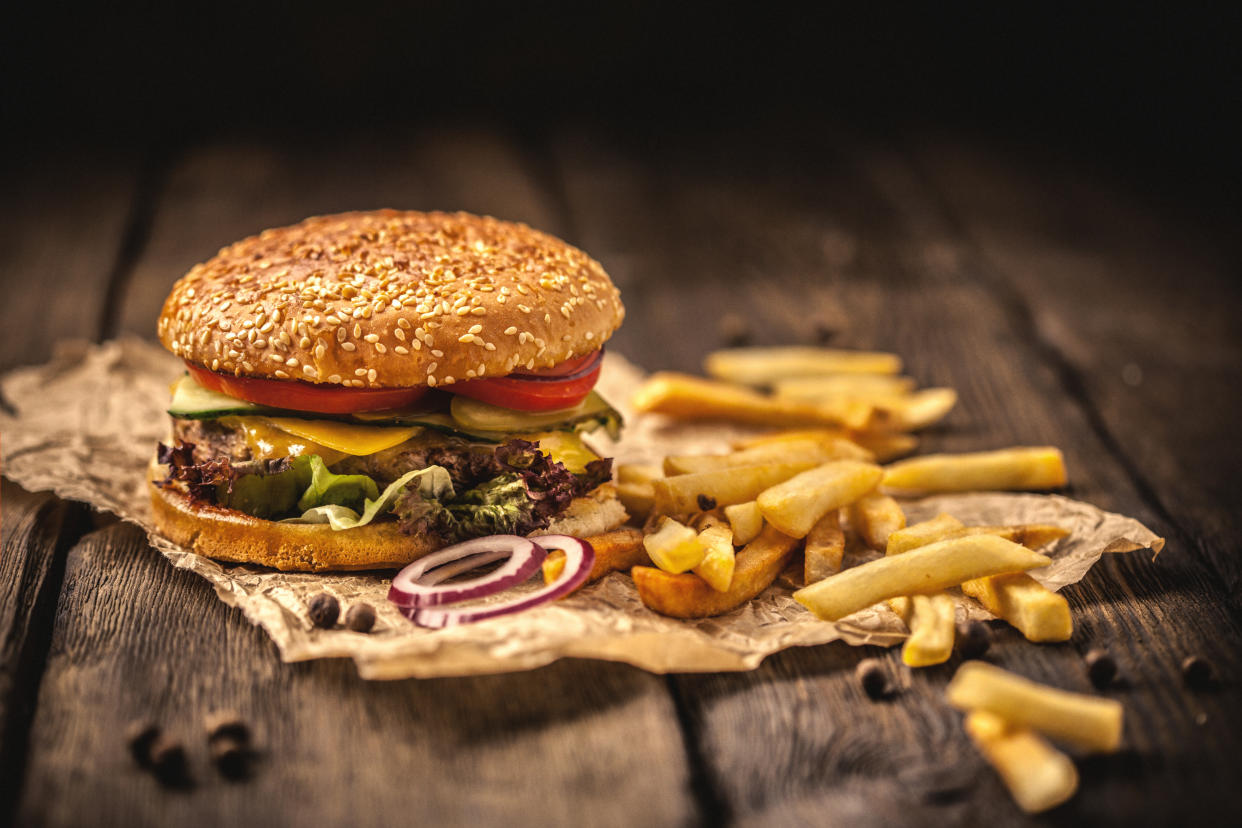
x: 229, y: 535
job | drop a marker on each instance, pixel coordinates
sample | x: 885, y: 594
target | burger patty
x: 211, y: 440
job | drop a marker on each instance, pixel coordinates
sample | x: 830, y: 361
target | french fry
x: 636, y: 473
x: 618, y: 550
x: 792, y: 451
x: 787, y: 435
x: 746, y: 521
x: 1038, y: 776
x: 693, y: 398
x: 689, y: 596
x: 637, y: 498
x: 920, y: 571
x: 1034, y: 468
x: 1089, y: 722
x: 875, y: 516
x: 718, y: 564
x: 796, y: 504
x: 1036, y: 611
x: 930, y: 619
x: 886, y: 445
x: 916, y: 411
x: 674, y: 547
x: 825, y: 546
x: 941, y: 527
x: 680, y: 494
x: 763, y: 366
x: 868, y: 387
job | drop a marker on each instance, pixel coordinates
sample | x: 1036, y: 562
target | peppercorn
x: 1101, y: 668
x: 360, y: 618
x: 231, y: 757
x: 1198, y: 672
x: 874, y: 680
x: 139, y: 737
x: 706, y: 502
x: 324, y: 610
x: 168, y: 761
x: 974, y: 639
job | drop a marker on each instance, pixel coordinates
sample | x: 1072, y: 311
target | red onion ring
x: 418, y: 584
x: 579, y: 558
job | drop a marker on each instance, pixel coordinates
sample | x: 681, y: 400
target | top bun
x: 391, y: 299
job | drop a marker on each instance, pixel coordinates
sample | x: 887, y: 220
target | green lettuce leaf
x: 328, y: 489
x: 432, y: 483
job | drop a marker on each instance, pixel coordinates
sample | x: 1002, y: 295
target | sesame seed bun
x: 229, y: 535
x: 391, y: 299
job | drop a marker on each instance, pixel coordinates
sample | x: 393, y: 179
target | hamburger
x: 364, y: 388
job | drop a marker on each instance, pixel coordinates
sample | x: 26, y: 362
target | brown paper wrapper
x: 85, y: 426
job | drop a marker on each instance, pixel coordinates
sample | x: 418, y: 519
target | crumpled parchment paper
x: 85, y: 426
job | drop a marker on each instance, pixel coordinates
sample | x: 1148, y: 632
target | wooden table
x: 1066, y: 307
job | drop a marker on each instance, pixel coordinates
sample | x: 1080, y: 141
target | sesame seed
x: 463, y: 310
x: 474, y: 329
x: 335, y: 379
x: 281, y: 375
x: 511, y: 330
x: 431, y: 381
x: 431, y: 369
x: 399, y: 334
x: 401, y: 349
x: 478, y: 311
x: 437, y: 353
x: 489, y: 346
x: 357, y: 329
x: 418, y: 346
x: 590, y: 335
x: 348, y: 346
x: 215, y: 365
x: 466, y: 337
x: 403, y: 322
x: 309, y: 370
x: 379, y: 346
x: 332, y: 320
x: 304, y: 343
x: 448, y: 380
x: 371, y: 338
x: 291, y: 362
x: 360, y: 372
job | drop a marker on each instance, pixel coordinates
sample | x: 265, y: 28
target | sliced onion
x: 418, y: 584
x: 579, y: 558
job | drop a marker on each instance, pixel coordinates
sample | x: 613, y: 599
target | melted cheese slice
x: 345, y: 437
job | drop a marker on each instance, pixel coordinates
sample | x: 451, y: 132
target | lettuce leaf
x: 432, y: 483
x: 328, y: 489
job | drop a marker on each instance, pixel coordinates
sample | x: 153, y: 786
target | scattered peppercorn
x: 974, y: 639
x: 231, y: 757
x: 139, y: 737
x: 168, y: 761
x: 1101, y: 668
x: 1198, y: 672
x: 324, y: 610
x: 360, y: 618
x: 706, y: 502
x: 734, y: 331
x: 226, y: 724
x: 872, y: 677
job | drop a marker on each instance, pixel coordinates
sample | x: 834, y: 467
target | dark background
x: 1142, y: 93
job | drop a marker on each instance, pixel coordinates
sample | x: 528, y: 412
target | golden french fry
x: 1020, y: 468
x: 636, y: 473
x: 637, y: 498
x: 718, y: 564
x: 825, y: 546
x: 746, y: 521
x: 681, y: 494
x: 886, y: 445
x: 1038, y: 776
x: 920, y: 571
x: 792, y: 451
x: 796, y: 504
x: 918, y: 410
x: 941, y: 527
x: 1039, y: 613
x: 875, y: 516
x: 787, y: 435
x: 867, y: 387
x: 1088, y: 722
x: 615, y: 551
x: 689, y: 596
x: 763, y: 366
x: 930, y: 619
x: 693, y: 398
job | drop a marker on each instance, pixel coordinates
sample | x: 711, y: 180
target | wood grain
x: 818, y: 234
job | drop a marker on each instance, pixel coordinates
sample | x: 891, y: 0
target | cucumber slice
x: 194, y: 402
x: 472, y: 414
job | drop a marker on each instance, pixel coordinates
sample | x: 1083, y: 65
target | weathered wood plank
x: 802, y: 232
x: 35, y: 532
x: 1141, y: 302
x: 555, y: 745
x: 136, y: 638
x: 62, y: 225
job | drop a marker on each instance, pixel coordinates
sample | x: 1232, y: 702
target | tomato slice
x: 305, y: 396
x: 561, y: 386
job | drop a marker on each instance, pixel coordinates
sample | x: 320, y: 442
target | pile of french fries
x: 718, y: 529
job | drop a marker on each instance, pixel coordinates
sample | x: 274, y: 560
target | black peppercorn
x: 324, y: 610
x: 139, y: 737
x: 1198, y: 672
x: 360, y: 618
x: 231, y: 757
x: 974, y: 639
x: 706, y: 502
x: 1101, y: 668
x: 871, y: 676
x: 168, y: 761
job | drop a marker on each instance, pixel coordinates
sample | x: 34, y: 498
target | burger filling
x: 454, y: 468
